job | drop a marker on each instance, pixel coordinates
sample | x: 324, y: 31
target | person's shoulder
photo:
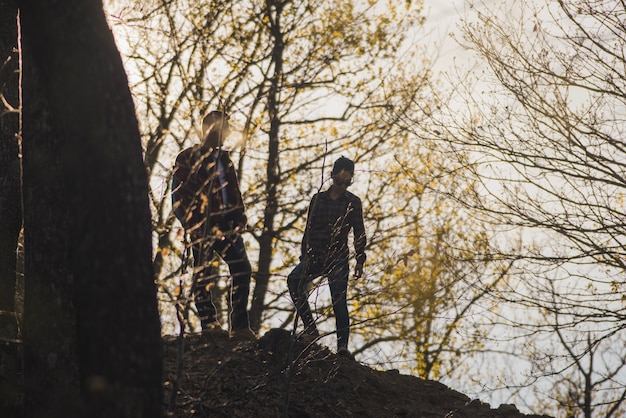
x: 353, y: 198
x: 323, y: 194
x: 317, y: 196
x: 184, y: 154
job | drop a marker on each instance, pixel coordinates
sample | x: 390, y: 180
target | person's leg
x: 297, y: 283
x: 233, y: 252
x: 338, y: 282
x: 203, y: 281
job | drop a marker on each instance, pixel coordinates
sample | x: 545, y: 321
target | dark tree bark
x: 266, y: 241
x: 49, y: 314
x: 90, y: 297
x: 10, y: 200
x: 10, y: 209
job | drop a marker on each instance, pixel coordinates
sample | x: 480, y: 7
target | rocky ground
x: 277, y: 377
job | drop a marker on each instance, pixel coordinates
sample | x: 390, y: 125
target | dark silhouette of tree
x: 10, y: 207
x: 91, y: 328
x: 10, y: 201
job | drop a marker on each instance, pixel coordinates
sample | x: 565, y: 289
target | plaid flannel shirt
x: 328, y: 225
x: 200, y: 195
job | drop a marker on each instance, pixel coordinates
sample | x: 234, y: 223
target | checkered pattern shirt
x: 328, y: 225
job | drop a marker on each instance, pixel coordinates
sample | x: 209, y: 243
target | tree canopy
x: 542, y: 125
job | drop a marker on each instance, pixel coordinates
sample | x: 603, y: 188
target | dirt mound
x: 278, y: 377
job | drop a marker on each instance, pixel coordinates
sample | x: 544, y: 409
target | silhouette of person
x: 324, y: 251
x: 208, y: 202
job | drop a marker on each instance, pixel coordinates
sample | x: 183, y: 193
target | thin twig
x: 291, y: 361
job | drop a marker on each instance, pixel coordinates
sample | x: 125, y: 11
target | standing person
x: 325, y: 252
x: 207, y: 201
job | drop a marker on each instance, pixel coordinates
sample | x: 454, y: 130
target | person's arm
x: 360, y: 239
x: 181, y: 197
x: 234, y: 192
x: 309, y: 218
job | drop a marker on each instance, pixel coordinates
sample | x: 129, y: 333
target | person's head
x: 215, y: 128
x: 343, y: 171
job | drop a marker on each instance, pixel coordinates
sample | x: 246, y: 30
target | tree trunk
x: 10, y: 210
x: 10, y: 200
x: 90, y: 295
x: 49, y: 315
x: 266, y: 243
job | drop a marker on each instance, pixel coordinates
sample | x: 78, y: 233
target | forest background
x: 492, y: 187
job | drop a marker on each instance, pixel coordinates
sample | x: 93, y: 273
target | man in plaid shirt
x: 207, y: 200
x: 332, y: 214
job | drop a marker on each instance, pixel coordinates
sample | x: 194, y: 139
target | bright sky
x: 442, y: 19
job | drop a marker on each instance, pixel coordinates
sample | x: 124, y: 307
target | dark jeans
x: 298, y: 281
x: 233, y: 251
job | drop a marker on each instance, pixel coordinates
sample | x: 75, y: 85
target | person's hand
x: 217, y: 233
x: 358, y: 271
x: 240, y: 229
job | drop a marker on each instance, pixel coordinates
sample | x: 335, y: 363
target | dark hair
x: 213, y: 116
x: 343, y: 163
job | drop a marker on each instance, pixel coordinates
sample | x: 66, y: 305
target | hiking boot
x: 243, y: 334
x: 344, y: 352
